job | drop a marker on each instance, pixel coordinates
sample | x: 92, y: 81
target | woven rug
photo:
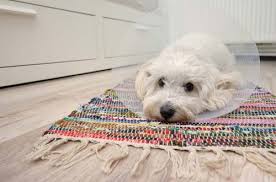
x: 249, y: 131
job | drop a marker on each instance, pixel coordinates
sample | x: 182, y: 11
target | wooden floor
x: 29, y: 109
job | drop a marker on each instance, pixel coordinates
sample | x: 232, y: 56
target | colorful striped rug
x: 249, y: 131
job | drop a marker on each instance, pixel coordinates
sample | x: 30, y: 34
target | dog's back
x: 207, y: 47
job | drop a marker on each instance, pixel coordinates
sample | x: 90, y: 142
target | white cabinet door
x: 124, y: 38
x: 47, y: 36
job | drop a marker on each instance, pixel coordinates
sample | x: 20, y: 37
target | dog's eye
x: 161, y: 82
x: 189, y: 87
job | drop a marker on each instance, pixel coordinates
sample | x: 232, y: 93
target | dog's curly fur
x: 195, y: 74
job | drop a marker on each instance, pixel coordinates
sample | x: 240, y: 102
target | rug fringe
x: 177, y: 163
x: 263, y: 160
x: 163, y: 167
x: 189, y: 168
x: 114, y: 157
x: 193, y: 164
x: 221, y: 161
x: 268, y: 155
x: 179, y: 170
x: 86, y: 153
x: 68, y: 156
x: 136, y: 170
x: 45, y: 148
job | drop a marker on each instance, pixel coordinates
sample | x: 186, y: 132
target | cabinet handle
x: 141, y: 27
x: 17, y: 10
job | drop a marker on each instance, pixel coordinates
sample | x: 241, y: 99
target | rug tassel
x: 44, y: 140
x: 180, y: 170
x: 114, y: 158
x: 162, y: 167
x: 136, y: 170
x: 177, y: 163
x: 67, y: 157
x: 268, y: 155
x: 263, y: 161
x: 43, y: 151
x: 86, y: 153
x: 221, y: 161
x: 193, y: 166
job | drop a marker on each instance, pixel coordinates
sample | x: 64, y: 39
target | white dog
x: 194, y: 75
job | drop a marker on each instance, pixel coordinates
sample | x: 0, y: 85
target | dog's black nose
x: 167, y: 111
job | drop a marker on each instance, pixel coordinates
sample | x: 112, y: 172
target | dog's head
x: 178, y: 86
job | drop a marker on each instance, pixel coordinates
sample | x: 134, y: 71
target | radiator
x: 258, y: 17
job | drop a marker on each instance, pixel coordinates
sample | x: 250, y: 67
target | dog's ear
x: 142, y: 75
x: 225, y: 86
x: 228, y: 81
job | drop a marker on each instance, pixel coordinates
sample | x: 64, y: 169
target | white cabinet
x: 48, y: 39
x: 143, y: 5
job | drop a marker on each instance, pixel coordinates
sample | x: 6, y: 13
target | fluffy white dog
x: 194, y: 75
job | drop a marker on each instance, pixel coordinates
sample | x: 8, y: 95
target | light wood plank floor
x: 27, y: 110
x: 28, y: 107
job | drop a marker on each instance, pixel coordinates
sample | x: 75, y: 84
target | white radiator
x: 258, y: 17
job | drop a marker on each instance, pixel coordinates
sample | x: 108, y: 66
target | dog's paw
x: 219, y: 100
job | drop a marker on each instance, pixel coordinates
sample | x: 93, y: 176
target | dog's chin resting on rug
x: 194, y: 75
